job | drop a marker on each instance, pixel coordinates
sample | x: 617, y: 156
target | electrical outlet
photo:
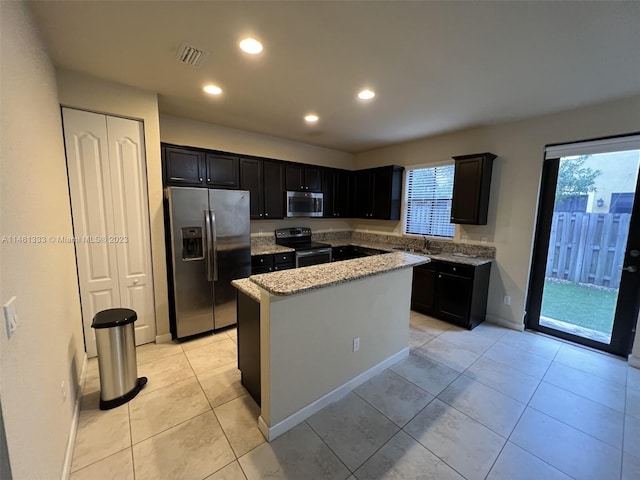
x: 464, y: 239
x: 507, y: 300
x: 484, y: 240
x: 10, y: 316
x: 356, y: 344
x: 64, y: 392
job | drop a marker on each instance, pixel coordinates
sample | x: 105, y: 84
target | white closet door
x: 131, y: 223
x: 92, y: 210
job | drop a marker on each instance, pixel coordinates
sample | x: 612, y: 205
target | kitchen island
x: 326, y: 329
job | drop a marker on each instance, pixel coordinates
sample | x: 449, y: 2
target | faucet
x: 427, y: 243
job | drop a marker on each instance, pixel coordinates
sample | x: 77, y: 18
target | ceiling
x: 435, y: 66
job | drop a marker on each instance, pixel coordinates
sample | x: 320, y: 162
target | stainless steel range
x: 307, y: 252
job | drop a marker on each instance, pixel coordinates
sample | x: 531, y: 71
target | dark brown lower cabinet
x: 249, y: 344
x: 453, y: 292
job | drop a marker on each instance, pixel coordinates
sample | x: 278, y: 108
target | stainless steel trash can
x: 115, y: 340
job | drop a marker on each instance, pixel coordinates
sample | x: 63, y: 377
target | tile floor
x: 486, y: 404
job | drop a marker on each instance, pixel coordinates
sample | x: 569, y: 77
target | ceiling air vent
x: 191, y: 55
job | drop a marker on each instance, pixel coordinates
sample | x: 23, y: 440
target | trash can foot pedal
x: 116, y: 402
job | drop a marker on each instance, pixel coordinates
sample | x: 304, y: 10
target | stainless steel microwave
x: 304, y: 204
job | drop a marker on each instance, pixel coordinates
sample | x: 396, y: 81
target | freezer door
x: 231, y: 249
x: 193, y: 293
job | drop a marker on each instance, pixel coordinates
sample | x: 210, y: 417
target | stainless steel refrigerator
x: 211, y: 246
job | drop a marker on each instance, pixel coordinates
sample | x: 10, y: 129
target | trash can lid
x: 114, y: 317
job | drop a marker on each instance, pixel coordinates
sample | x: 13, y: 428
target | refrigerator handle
x: 208, y: 247
x: 214, y: 236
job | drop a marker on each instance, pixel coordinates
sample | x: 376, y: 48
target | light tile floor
x: 487, y: 404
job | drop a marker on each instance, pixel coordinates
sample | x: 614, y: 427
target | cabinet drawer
x: 456, y: 269
x: 432, y: 266
x: 259, y: 270
x: 283, y: 257
x: 262, y: 261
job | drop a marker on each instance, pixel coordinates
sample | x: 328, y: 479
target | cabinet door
x: 251, y: 180
x: 131, y: 222
x: 222, y: 171
x: 313, y: 179
x: 387, y: 192
x: 464, y: 206
x: 328, y: 182
x: 183, y: 166
x: 471, y: 188
x: 294, y: 173
x: 341, y: 195
x: 453, y: 298
x: 423, y: 290
x: 273, y: 190
x: 363, y: 194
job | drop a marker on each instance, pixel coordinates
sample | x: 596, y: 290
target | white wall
x: 514, y: 187
x: 309, y: 336
x: 47, y: 348
x: 90, y: 93
x: 193, y: 133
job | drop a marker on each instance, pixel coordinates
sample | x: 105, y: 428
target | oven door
x: 304, y: 258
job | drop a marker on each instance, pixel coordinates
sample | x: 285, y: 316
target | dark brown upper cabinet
x: 183, y: 166
x: 264, y: 179
x: 335, y: 189
x: 300, y: 177
x: 471, y: 188
x: 222, y: 171
x: 377, y: 193
x: 199, y: 168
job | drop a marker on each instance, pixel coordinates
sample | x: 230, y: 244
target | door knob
x: 630, y: 269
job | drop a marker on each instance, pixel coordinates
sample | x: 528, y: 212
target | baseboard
x: 504, y: 323
x: 271, y: 433
x: 634, y: 361
x: 165, y: 338
x: 68, y: 457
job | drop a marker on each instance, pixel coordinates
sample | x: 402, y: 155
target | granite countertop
x: 291, y: 282
x: 442, y: 256
x: 247, y: 287
x: 270, y: 249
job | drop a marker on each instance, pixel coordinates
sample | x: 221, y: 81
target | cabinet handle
x: 260, y: 214
x: 454, y: 269
x: 208, y: 179
x: 439, y: 276
x: 200, y: 178
x: 284, y: 258
x: 266, y: 214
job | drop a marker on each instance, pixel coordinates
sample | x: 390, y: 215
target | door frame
x: 620, y: 343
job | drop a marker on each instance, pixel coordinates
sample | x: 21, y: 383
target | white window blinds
x: 428, y: 199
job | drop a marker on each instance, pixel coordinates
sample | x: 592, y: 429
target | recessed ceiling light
x: 251, y: 45
x: 311, y: 118
x: 213, y: 90
x: 366, y: 94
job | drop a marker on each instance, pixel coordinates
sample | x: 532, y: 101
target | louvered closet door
x: 131, y: 222
x: 91, y: 203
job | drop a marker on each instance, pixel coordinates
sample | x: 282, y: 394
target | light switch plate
x: 10, y: 316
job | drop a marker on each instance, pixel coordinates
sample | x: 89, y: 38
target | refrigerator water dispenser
x: 192, y: 248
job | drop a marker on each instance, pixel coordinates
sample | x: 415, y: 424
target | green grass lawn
x: 584, y: 306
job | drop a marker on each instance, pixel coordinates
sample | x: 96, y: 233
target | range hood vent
x: 191, y: 55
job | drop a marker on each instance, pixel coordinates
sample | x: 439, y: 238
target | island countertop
x: 247, y: 287
x: 291, y: 282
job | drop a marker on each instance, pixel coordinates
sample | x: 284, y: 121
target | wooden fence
x: 588, y: 247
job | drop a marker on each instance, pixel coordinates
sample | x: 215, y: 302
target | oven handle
x: 317, y: 251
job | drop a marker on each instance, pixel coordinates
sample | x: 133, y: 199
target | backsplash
x: 372, y: 238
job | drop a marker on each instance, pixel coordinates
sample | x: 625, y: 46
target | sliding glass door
x: 585, y: 283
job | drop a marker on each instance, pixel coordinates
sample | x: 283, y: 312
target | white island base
x: 307, y: 343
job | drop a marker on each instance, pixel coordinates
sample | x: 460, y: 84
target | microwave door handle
x: 208, y: 246
x: 214, y: 236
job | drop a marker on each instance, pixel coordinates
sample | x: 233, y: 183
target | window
x: 621, y: 203
x: 428, y: 199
